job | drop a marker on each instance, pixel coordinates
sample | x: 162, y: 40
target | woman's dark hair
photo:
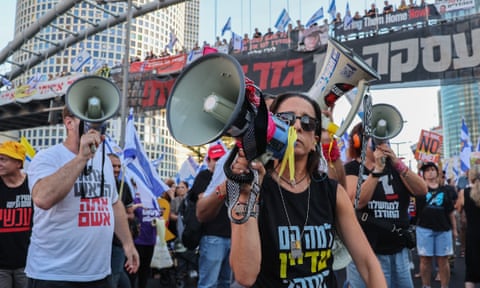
x: 314, y: 156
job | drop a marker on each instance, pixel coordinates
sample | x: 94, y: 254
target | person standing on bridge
x: 76, y: 212
x: 386, y: 187
x: 15, y: 230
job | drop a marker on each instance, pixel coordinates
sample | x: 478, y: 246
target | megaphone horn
x: 93, y: 99
x: 386, y: 122
x: 342, y: 70
x: 208, y: 100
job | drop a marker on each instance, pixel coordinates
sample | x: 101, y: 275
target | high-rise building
x: 457, y: 102
x: 149, y: 34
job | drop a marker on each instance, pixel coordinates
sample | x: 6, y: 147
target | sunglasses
x: 308, y: 123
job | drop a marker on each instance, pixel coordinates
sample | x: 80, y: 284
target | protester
x: 214, y: 248
x: 469, y: 202
x: 119, y: 277
x: 15, y: 200
x: 435, y: 223
x: 387, y: 184
x: 146, y: 239
x: 76, y: 212
x: 288, y: 238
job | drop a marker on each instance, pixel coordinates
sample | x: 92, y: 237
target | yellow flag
x: 28, y: 147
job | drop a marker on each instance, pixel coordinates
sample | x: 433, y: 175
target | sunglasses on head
x: 308, y: 123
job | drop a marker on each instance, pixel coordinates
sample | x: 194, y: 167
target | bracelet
x: 376, y: 175
x: 241, y: 209
x: 220, y: 196
x: 400, y: 167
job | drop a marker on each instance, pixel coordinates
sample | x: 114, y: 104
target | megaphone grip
x: 242, y: 179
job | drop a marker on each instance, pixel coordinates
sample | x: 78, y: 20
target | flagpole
x: 216, y: 20
x: 270, y: 13
x: 250, y: 19
x: 126, y: 68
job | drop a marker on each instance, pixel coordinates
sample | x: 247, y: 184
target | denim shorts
x: 434, y: 243
x: 396, y: 268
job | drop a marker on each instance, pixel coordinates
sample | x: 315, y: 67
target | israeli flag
x: 80, y: 60
x: 465, y: 147
x: 282, y: 20
x: 227, y: 26
x: 315, y: 17
x: 332, y: 9
x: 237, y: 41
x: 6, y: 82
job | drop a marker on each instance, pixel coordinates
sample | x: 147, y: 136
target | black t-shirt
x: 16, y: 221
x: 388, y: 205
x: 220, y: 225
x: 434, y: 208
x: 127, y: 200
x: 314, y: 268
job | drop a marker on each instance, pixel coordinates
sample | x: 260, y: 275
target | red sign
x: 429, y: 147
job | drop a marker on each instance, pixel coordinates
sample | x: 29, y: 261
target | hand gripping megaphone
x: 212, y: 98
x: 342, y: 70
x: 94, y: 100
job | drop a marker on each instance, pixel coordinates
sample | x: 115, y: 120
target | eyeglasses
x: 308, y: 123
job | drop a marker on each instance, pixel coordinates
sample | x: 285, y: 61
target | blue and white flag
x: 315, y: 17
x: 172, y: 41
x: 187, y: 171
x: 97, y: 65
x: 227, y: 26
x: 282, y: 20
x: 6, y: 82
x: 465, y: 147
x: 237, y: 41
x: 139, y: 167
x: 35, y: 79
x: 82, y: 58
x: 343, y: 145
x: 332, y: 9
x: 347, y: 20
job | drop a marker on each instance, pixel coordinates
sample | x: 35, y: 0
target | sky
x: 418, y: 106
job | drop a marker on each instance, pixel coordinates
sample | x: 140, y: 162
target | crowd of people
x: 69, y: 220
x: 83, y: 227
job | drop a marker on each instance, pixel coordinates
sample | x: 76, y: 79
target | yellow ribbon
x: 289, y: 154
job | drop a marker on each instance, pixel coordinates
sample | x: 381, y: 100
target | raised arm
x: 50, y: 190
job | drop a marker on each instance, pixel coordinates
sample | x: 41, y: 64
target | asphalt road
x: 456, y: 279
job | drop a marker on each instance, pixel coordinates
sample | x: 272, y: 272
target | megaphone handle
x: 242, y: 179
x: 353, y: 111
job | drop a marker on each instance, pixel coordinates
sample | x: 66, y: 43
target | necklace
x: 296, y: 244
x: 293, y: 182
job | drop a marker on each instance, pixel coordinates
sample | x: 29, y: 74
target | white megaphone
x: 94, y: 100
x: 342, y: 70
x: 208, y: 100
x: 386, y: 122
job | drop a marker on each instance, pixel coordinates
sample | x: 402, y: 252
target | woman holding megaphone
x: 289, y: 232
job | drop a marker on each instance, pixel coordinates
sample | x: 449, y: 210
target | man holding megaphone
x: 75, y: 213
x: 383, y: 196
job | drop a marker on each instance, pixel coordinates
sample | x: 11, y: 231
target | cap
x: 216, y: 151
x: 428, y: 164
x: 13, y: 150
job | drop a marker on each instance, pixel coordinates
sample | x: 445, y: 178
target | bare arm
x: 357, y: 243
x: 52, y: 189
x: 245, y: 253
x: 209, y: 206
x: 123, y: 233
x: 460, y: 201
